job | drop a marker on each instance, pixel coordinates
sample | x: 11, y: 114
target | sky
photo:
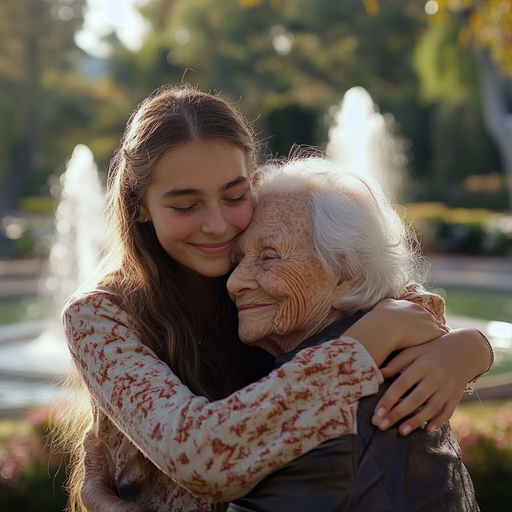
x: 106, y: 16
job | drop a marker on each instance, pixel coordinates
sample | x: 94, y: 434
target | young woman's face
x: 200, y: 199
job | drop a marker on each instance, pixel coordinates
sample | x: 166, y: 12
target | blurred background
x: 419, y: 92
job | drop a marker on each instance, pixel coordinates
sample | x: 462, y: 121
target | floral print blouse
x: 209, y: 453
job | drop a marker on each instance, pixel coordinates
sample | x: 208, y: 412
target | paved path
x: 474, y: 271
x: 19, y: 277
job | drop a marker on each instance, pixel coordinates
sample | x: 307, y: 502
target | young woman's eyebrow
x: 238, y: 181
x: 177, y: 192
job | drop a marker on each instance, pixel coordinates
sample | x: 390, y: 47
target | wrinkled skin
x: 281, y: 290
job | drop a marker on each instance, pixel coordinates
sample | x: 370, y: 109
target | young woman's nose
x: 242, y: 279
x: 214, y: 221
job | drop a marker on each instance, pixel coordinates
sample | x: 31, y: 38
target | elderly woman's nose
x: 242, y: 279
x: 214, y: 221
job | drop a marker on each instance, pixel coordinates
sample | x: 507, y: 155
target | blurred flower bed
x: 467, y: 230
x: 484, y: 432
x: 31, y: 478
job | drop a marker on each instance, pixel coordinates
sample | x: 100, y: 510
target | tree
x: 489, y: 24
x: 449, y: 85
x: 276, y: 56
x: 34, y: 36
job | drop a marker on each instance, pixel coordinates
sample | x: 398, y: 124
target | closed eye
x: 237, y: 200
x: 268, y: 256
x: 182, y: 210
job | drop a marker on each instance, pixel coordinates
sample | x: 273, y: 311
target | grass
x: 23, y: 309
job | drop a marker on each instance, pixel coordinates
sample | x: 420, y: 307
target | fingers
x: 433, y: 408
x: 425, y: 414
x: 388, y: 372
x: 442, y: 417
x: 404, y: 359
x: 387, y: 403
x: 402, y: 409
x: 392, y: 408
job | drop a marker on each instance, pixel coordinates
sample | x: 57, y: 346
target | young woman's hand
x: 439, y: 372
x: 394, y: 325
x: 97, y: 494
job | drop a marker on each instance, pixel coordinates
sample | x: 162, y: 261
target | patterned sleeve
x: 433, y: 303
x: 220, y: 450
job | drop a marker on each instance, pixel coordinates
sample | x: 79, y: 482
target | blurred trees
x: 284, y: 63
x: 460, y: 145
x: 36, y: 46
x: 47, y: 103
x: 489, y: 23
x: 487, y: 26
x: 289, y: 61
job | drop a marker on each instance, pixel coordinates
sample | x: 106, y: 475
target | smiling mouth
x: 214, y: 249
x: 247, y: 307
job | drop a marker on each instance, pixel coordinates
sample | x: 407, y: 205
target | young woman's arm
x: 220, y: 450
x: 439, y: 370
x: 394, y: 325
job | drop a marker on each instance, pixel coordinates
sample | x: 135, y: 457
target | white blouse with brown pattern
x: 210, y: 453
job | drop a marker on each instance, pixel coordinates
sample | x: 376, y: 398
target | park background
x: 440, y: 72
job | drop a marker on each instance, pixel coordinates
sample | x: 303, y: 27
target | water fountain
x: 75, y: 252
x: 365, y: 141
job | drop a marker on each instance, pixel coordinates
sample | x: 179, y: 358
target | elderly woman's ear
x: 343, y: 288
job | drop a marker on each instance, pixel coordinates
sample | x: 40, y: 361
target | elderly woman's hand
x: 97, y: 494
x: 439, y: 372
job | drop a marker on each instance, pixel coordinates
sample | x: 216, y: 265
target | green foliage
x: 469, y: 230
x: 444, y: 66
x: 489, y: 24
x: 37, y: 204
x: 34, y: 42
x: 290, y: 124
x: 422, y: 73
x: 459, y: 144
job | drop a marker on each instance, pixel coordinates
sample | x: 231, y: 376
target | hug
x: 179, y: 408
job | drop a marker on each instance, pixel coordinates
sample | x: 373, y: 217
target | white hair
x: 356, y: 232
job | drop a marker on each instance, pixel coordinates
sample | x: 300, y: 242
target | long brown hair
x: 146, y: 282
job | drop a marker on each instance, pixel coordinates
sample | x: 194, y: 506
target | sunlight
x: 103, y: 17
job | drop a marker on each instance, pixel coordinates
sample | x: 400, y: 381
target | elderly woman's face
x: 282, y: 292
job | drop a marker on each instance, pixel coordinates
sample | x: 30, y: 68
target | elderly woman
x: 322, y: 249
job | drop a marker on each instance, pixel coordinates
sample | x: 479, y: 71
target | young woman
x: 157, y: 328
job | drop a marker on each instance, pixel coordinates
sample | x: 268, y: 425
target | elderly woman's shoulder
x: 432, y: 302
